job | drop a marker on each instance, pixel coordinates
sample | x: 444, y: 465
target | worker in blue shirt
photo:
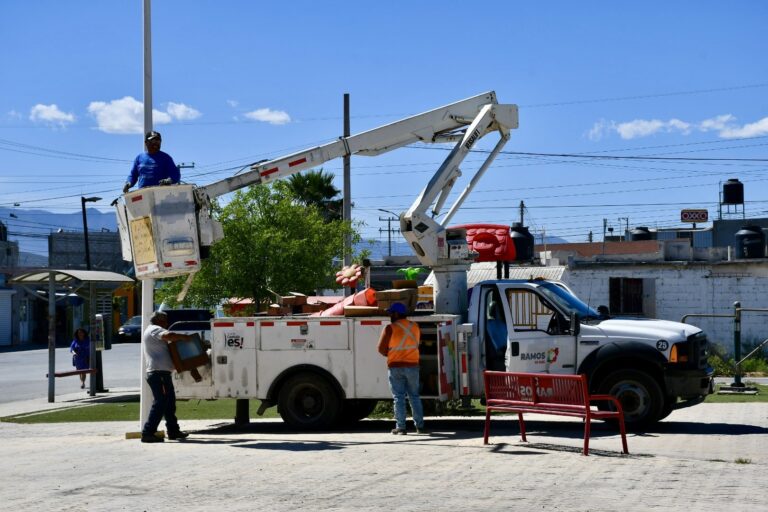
x: 153, y: 167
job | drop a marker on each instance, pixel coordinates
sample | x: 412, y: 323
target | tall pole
x: 147, y: 285
x: 51, y: 334
x: 347, y: 186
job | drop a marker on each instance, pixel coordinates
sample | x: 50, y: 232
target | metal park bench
x: 545, y: 393
x: 89, y: 371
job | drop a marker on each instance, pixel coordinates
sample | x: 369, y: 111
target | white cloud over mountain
x: 126, y: 115
x: 725, y: 125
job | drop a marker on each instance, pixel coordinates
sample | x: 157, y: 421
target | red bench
x: 545, y: 393
x: 73, y: 372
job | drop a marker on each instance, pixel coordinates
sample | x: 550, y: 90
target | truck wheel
x: 668, y: 407
x: 308, y: 401
x: 357, y: 409
x: 639, y: 394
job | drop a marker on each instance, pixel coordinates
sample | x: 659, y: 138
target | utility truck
x: 323, y: 370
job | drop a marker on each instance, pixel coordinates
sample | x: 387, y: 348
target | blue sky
x: 239, y: 81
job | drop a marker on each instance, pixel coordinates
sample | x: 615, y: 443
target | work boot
x: 151, y: 438
x: 399, y: 431
x: 174, y: 436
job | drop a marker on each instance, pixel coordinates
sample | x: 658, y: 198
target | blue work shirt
x: 149, y: 169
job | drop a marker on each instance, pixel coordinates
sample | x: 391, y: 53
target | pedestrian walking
x: 81, y: 353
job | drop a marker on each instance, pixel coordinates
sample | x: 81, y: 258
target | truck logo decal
x: 472, y: 138
x: 549, y: 356
x: 233, y: 340
x: 662, y: 345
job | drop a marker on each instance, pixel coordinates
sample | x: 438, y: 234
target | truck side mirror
x: 575, y: 324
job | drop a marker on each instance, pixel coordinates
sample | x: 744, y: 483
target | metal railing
x: 736, y: 316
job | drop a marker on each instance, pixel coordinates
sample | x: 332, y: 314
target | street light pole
x: 95, y: 359
x: 389, y: 228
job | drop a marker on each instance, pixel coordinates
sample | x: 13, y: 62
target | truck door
x: 540, y: 339
x: 494, y: 328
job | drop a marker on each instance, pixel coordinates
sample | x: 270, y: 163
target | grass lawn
x: 129, y: 411
x: 225, y: 409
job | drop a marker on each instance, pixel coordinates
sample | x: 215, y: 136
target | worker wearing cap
x: 399, y: 342
x: 154, y: 167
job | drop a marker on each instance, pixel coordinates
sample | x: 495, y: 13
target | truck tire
x: 308, y: 401
x: 357, y: 409
x: 640, y: 396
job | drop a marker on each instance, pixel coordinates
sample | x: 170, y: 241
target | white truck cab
x: 652, y: 366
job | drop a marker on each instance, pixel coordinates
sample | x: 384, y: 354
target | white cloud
x: 50, y: 114
x: 182, y: 112
x: 269, y: 116
x: 13, y: 114
x: 725, y: 125
x: 233, y: 103
x: 600, y: 129
x: 755, y: 129
x: 126, y: 115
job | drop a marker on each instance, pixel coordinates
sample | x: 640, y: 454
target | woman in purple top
x: 81, y: 353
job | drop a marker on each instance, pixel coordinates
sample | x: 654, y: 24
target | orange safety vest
x: 404, y: 344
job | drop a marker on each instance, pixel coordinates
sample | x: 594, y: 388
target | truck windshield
x: 567, y: 302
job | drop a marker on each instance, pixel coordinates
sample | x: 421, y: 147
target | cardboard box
x: 299, y: 299
x: 363, y: 311
x: 397, y: 294
x: 278, y: 310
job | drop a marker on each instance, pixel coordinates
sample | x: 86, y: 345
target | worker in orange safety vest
x: 399, y: 342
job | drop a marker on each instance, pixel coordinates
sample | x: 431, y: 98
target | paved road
x: 23, y: 372
x: 707, y: 457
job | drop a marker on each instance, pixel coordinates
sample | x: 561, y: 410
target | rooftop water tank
x: 641, y: 233
x: 523, y: 240
x: 750, y: 242
x: 733, y: 192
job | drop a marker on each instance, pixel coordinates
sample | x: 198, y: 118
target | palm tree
x: 316, y: 188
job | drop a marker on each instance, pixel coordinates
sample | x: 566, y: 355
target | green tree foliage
x: 272, y: 242
x: 316, y: 188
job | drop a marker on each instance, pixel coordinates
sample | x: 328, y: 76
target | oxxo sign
x: 692, y: 215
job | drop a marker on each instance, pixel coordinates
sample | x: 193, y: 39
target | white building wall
x: 684, y: 289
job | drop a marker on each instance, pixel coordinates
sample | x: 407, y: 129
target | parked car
x: 130, y: 330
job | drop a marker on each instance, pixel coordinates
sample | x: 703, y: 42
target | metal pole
x: 85, y: 235
x: 93, y: 363
x: 51, y: 334
x: 347, y: 191
x: 737, y: 343
x: 147, y: 285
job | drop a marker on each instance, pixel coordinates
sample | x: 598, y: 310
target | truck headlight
x: 679, y: 353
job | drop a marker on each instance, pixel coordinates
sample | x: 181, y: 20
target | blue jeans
x: 404, y: 381
x: 163, y: 404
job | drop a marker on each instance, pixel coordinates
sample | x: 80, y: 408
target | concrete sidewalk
x: 708, y: 457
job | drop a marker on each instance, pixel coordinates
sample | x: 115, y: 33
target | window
x: 626, y: 296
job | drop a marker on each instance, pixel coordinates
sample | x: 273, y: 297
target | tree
x: 317, y: 188
x: 271, y: 244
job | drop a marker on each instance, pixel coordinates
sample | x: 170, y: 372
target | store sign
x: 692, y: 215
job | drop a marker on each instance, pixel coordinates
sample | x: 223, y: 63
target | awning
x: 70, y: 277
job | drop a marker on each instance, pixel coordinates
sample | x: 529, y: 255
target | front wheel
x: 639, y: 394
x: 308, y: 401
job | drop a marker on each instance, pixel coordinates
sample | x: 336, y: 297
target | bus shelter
x: 80, y: 282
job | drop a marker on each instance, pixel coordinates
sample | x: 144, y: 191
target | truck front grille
x: 698, y: 347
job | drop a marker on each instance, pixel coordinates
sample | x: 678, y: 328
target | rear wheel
x: 357, y: 409
x: 639, y: 394
x: 308, y: 401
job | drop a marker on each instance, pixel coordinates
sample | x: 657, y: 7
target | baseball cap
x: 397, y: 307
x: 152, y: 135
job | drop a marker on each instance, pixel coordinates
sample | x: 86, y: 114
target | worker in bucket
x: 399, y: 343
x: 153, y: 167
x: 159, y: 366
